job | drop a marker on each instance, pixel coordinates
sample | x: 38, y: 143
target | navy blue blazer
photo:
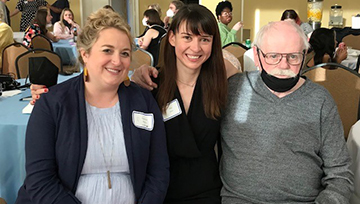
x: 56, y: 144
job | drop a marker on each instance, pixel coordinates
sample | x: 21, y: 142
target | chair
x: 352, y: 41
x: 41, y: 42
x: 343, y: 84
x: 22, y: 61
x: 357, y: 68
x: 161, y: 50
x: 238, y: 50
x: 9, y: 55
x: 232, y: 64
x: 140, y: 57
x: 161, y: 38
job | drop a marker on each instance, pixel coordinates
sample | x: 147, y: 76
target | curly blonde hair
x: 98, y: 21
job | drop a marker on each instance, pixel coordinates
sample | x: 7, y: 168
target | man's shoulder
x: 318, y: 92
x: 245, y: 76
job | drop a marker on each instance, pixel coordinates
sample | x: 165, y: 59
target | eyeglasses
x: 226, y: 14
x: 271, y: 58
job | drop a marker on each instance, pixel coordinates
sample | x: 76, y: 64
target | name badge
x: 143, y: 120
x: 25, y: 2
x: 172, y: 110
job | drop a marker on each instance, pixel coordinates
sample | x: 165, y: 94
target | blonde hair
x: 156, y: 6
x: 97, y: 22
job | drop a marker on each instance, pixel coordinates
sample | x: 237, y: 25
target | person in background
x: 6, y: 36
x: 282, y: 136
x: 109, y: 7
x: 224, y: 15
x: 291, y: 14
x: 38, y: 26
x: 65, y: 27
x: 97, y: 138
x: 158, y: 9
x: 323, y: 43
x: 28, y: 10
x: 6, y: 15
x: 150, y: 40
x: 56, y: 9
x: 174, y: 7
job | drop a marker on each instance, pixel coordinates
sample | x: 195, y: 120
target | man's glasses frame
x: 278, y: 56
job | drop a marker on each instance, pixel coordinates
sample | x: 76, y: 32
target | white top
x: 105, y: 152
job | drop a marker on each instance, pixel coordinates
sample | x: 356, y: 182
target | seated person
x: 38, y: 26
x: 323, y: 43
x: 291, y: 14
x: 6, y: 35
x: 156, y: 6
x: 81, y: 144
x: 65, y: 28
x: 224, y: 15
x: 150, y: 40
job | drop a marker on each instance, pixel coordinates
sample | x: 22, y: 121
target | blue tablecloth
x: 12, y: 144
x: 67, y: 51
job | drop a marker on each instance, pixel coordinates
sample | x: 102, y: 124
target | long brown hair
x: 40, y: 18
x: 213, y: 81
x: 154, y: 17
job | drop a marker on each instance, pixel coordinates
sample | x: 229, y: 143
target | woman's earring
x: 86, y: 75
x: 127, y: 81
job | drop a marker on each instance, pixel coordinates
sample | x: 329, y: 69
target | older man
x: 282, y: 136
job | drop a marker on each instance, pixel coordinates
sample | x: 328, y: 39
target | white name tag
x: 143, y: 120
x: 173, y: 109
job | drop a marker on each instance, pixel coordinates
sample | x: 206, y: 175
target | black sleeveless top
x: 154, y: 46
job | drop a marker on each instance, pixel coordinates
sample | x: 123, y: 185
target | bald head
x: 284, y: 31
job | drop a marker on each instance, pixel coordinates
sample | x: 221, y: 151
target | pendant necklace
x: 102, y: 146
x: 190, y: 85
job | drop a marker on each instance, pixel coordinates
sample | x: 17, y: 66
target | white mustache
x: 282, y: 72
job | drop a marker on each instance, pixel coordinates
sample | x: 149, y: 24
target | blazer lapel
x: 125, y: 106
x: 83, y: 129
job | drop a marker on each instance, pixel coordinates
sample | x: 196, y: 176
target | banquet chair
x: 357, y: 68
x: 22, y: 61
x: 343, y: 84
x: 41, y: 42
x: 238, y: 50
x: 140, y: 57
x: 352, y: 41
x: 9, y: 55
x: 162, y: 43
x: 161, y: 38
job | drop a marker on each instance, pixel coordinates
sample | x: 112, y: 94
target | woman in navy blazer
x: 57, y: 137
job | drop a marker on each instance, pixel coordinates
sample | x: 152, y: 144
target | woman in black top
x: 192, y: 92
x: 150, y: 41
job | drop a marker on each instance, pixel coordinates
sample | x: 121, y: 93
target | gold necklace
x: 190, y: 85
x: 102, y: 146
